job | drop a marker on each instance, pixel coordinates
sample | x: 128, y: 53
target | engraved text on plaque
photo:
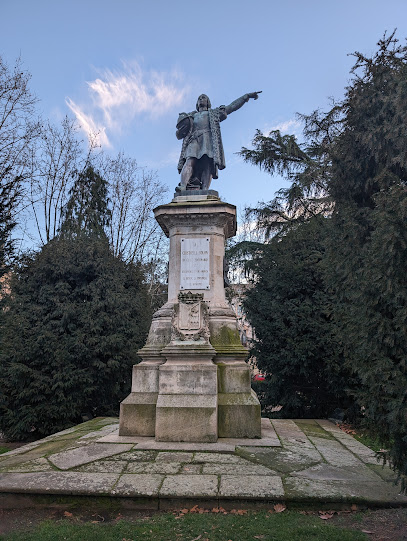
x: 195, y: 263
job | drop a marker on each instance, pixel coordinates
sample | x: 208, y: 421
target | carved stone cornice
x: 221, y: 215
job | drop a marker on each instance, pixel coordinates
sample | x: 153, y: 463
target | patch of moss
x: 311, y: 428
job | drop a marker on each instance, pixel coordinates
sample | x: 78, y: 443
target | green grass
x: 369, y: 441
x: 4, y: 450
x: 287, y: 526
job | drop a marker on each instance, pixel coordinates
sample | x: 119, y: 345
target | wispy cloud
x: 292, y: 126
x: 117, y: 97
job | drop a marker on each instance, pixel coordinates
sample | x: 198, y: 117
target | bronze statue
x: 202, y: 150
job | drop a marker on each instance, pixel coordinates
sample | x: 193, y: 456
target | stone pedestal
x: 193, y: 383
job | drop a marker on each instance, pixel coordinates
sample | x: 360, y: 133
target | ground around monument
x: 308, y: 465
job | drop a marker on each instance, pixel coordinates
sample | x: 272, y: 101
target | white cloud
x: 118, y: 97
x: 94, y: 131
x: 292, y: 126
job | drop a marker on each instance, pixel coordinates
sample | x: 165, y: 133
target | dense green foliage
x: 76, y: 318
x: 291, y: 310
x: 351, y: 172
x: 368, y: 251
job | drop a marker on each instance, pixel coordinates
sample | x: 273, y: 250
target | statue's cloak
x: 216, y: 153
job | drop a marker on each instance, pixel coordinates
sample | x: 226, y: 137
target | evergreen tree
x: 74, y: 323
x: 353, y: 168
x: 291, y: 310
x: 368, y: 249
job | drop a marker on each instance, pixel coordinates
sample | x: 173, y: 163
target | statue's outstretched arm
x: 237, y: 104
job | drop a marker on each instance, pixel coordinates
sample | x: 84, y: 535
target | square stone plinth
x: 191, y: 418
x: 239, y: 415
x: 137, y: 414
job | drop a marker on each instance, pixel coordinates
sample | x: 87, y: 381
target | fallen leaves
x: 347, y: 428
x: 279, y: 508
x: 327, y: 515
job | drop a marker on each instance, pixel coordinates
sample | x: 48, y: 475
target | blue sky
x: 129, y: 67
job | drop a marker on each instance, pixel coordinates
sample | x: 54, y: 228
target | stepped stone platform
x: 302, y: 463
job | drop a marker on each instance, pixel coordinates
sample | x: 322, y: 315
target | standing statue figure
x: 202, y: 150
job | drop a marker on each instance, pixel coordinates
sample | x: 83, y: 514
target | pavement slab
x: 335, y: 453
x: 104, y: 466
x: 336, y: 473
x: 66, y: 483
x: 162, y: 467
x: 289, y: 432
x: 224, y: 458
x: 367, y: 492
x: 174, y: 457
x: 191, y: 469
x: 282, y: 460
x: 234, y: 469
x: 38, y: 464
x: 89, y: 453
x: 249, y: 487
x: 191, y: 486
x: 364, y: 453
x: 138, y: 485
x: 135, y: 456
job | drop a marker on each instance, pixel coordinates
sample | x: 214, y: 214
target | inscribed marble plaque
x: 194, y: 263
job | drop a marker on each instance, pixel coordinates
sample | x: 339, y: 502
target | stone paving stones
x: 174, y: 457
x: 196, y: 486
x: 191, y: 469
x: 135, y: 456
x: 99, y: 433
x: 138, y: 484
x: 289, y: 432
x: 104, y: 466
x: 282, y: 460
x: 335, y: 453
x: 364, y: 453
x: 312, y: 428
x: 224, y: 458
x: 88, y: 453
x: 161, y: 466
x: 314, y: 462
x: 339, y: 491
x: 242, y: 486
x: 20, y: 450
x: 58, y: 482
x: 384, y: 472
x: 220, y: 446
x: 336, y: 473
x: 38, y: 464
x: 234, y: 469
x: 37, y: 452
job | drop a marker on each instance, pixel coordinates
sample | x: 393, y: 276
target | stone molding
x: 220, y: 215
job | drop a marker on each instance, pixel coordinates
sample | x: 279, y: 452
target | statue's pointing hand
x: 255, y: 95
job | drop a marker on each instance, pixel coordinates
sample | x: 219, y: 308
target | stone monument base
x: 193, y: 384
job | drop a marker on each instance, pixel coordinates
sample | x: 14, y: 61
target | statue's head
x: 203, y: 102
